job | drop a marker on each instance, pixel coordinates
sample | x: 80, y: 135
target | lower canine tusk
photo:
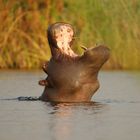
x: 83, y: 47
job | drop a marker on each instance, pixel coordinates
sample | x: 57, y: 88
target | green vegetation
x: 23, y: 25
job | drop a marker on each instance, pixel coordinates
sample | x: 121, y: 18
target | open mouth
x: 61, y: 36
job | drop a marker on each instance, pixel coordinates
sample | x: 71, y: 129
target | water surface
x: 114, y: 114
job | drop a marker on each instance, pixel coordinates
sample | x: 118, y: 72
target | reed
x: 23, y: 42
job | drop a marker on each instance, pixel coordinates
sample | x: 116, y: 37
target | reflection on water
x: 115, y: 114
x: 64, y: 117
x: 68, y: 109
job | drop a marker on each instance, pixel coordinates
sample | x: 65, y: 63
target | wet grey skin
x: 70, y: 77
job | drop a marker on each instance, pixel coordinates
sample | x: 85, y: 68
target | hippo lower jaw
x: 83, y: 95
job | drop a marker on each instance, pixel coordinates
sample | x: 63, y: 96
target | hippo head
x: 71, y: 78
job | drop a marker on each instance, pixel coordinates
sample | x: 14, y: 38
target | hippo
x: 71, y: 77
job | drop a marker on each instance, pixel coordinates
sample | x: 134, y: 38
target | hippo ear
x: 97, y: 56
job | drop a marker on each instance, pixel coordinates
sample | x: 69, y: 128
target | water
x: 114, y: 115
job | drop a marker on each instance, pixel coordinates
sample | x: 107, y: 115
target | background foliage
x: 23, y: 24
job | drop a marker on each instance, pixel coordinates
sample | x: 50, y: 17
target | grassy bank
x: 23, y: 42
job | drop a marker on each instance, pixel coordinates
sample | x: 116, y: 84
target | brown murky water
x: 115, y: 114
